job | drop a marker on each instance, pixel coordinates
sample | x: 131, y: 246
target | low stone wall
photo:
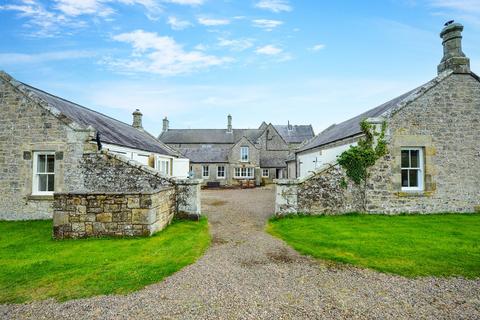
x: 79, y: 215
x: 319, y: 193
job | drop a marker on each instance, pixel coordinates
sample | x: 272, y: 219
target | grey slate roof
x: 208, y: 136
x: 273, y: 161
x: 220, y: 136
x: 206, y: 155
x: 351, y: 127
x: 111, y: 131
x: 297, y: 134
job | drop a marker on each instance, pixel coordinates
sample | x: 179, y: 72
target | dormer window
x: 244, y: 154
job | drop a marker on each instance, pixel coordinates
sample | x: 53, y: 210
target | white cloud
x: 161, y: 55
x: 269, y: 50
x: 74, y: 8
x: 318, y: 47
x: 187, y: 2
x: 460, y: 5
x: 236, y: 44
x: 178, y: 24
x: 25, y: 58
x: 266, y: 24
x: 213, y: 22
x: 274, y: 5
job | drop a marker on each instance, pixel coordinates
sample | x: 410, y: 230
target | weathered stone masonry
x: 144, y: 200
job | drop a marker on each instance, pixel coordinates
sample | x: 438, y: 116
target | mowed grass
x: 408, y: 245
x: 34, y: 267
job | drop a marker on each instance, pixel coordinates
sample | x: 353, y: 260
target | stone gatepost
x: 189, y: 205
x: 286, y: 196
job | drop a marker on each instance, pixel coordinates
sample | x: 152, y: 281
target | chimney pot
x: 165, y: 124
x: 137, y: 119
x: 453, y: 57
x: 229, y: 125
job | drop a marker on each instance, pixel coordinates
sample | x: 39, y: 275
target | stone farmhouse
x: 55, y: 155
x: 229, y: 156
x: 433, y: 160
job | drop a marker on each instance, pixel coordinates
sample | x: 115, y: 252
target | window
x: 244, y: 173
x: 163, y: 166
x: 244, y: 154
x: 221, y: 172
x: 205, y: 172
x: 43, y: 173
x: 412, y: 169
x: 265, y: 173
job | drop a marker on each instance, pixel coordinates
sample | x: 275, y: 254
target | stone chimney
x: 453, y: 57
x: 137, y: 119
x: 229, y: 126
x: 165, y: 124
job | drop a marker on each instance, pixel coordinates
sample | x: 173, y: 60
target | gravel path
x: 247, y: 274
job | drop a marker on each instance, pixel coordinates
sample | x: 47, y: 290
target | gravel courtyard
x: 248, y: 274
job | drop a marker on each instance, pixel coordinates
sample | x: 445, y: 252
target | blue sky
x: 308, y: 62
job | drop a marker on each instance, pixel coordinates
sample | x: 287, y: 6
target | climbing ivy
x: 358, y: 159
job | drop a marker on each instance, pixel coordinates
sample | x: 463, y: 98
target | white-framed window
x: 205, y: 172
x: 43, y: 173
x: 412, y: 169
x: 244, y: 154
x: 221, y: 172
x: 265, y: 173
x: 163, y: 165
x: 244, y: 173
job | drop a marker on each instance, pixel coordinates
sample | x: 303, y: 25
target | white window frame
x: 163, y: 166
x: 266, y: 175
x: 207, y: 171
x: 244, y: 173
x: 244, y: 151
x: 36, y: 174
x: 420, y: 169
x: 218, y: 171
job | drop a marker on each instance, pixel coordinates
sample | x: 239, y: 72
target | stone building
x: 228, y: 156
x: 433, y: 160
x: 47, y: 145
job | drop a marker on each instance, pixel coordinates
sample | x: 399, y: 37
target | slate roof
x: 351, y: 127
x: 206, y: 155
x: 273, y: 161
x: 297, y: 134
x: 221, y: 136
x: 111, y: 131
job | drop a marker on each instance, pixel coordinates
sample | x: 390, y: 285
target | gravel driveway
x: 247, y: 274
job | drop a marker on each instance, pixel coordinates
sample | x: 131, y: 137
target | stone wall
x: 26, y: 127
x: 443, y: 120
x: 79, y: 215
x: 319, y: 193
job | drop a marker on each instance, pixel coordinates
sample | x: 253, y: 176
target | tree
x: 358, y: 159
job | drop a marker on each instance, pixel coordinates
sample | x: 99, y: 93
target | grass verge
x: 35, y: 267
x: 408, y: 245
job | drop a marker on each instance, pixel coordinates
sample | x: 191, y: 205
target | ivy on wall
x: 358, y: 159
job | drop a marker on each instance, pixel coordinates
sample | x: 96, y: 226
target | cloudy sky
x: 308, y: 62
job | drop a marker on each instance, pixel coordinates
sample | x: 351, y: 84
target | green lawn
x: 408, y: 245
x: 33, y: 266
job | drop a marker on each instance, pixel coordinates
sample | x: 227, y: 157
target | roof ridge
x: 74, y: 103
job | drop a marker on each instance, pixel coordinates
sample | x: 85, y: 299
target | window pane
x: 413, y: 178
x: 42, y: 182
x: 50, y: 163
x: 414, y: 163
x: 404, y: 178
x: 51, y: 182
x: 405, y: 156
x: 41, y: 163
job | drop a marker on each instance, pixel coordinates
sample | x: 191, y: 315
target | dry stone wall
x: 79, y: 215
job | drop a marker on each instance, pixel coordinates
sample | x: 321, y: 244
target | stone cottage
x: 433, y: 160
x: 51, y: 148
x: 228, y: 156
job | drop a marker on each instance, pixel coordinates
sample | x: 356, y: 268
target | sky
x: 196, y: 61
